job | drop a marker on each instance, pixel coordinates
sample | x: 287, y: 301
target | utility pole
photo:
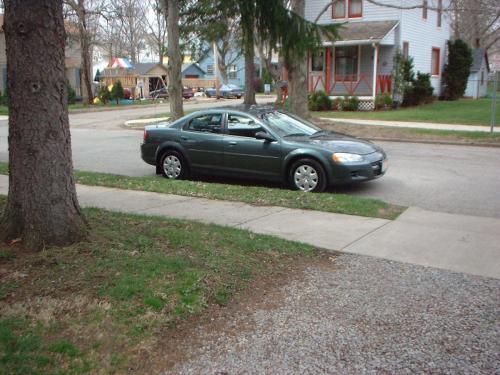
x: 216, y: 71
x: 494, y: 102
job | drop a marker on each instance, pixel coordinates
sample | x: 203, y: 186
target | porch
x: 360, y: 64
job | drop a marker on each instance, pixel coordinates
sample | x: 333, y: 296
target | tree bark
x: 297, y: 75
x: 174, y: 60
x: 86, y: 67
x: 249, y: 53
x: 42, y: 207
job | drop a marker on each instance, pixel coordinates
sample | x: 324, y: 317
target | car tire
x: 307, y: 175
x: 173, y: 165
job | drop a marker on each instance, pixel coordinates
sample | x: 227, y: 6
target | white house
x: 361, y: 62
x: 477, y: 84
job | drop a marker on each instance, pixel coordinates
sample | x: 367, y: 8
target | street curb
x: 409, y: 125
x: 92, y: 109
x: 450, y: 143
x: 139, y: 124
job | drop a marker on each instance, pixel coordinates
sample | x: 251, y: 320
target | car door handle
x: 233, y: 143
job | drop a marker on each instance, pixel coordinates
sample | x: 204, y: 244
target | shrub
x: 320, y: 101
x: 383, y: 101
x: 349, y: 103
x: 404, y: 77
x: 336, y: 104
x: 70, y: 93
x: 104, y: 95
x: 419, y: 92
x: 456, y: 71
x: 4, y: 99
x: 117, y: 91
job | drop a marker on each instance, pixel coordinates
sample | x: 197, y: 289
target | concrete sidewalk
x: 415, y: 125
x: 455, y: 242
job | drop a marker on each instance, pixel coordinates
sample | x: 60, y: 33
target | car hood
x: 337, y: 142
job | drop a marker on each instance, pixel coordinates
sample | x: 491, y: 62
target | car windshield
x: 234, y: 87
x: 287, y: 125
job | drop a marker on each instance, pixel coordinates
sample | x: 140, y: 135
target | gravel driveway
x: 359, y: 315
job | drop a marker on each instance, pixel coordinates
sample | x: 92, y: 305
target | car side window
x: 209, y: 123
x: 242, y: 126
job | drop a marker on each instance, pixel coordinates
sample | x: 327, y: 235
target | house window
x: 435, y: 64
x: 318, y: 61
x: 482, y: 77
x: 424, y: 9
x: 210, y: 69
x: 406, y: 50
x: 338, y: 9
x: 346, y: 63
x: 233, y: 72
x: 355, y: 8
x: 439, y: 13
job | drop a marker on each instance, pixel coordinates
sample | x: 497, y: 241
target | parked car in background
x: 226, y: 91
x: 187, y: 93
x: 260, y: 142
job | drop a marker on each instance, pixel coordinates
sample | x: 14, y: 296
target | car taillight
x: 146, y: 135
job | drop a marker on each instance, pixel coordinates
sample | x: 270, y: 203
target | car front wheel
x: 307, y: 175
x: 173, y: 165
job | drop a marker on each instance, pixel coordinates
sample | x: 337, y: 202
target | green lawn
x: 464, y: 111
x: 4, y: 110
x: 258, y: 195
x: 97, y: 307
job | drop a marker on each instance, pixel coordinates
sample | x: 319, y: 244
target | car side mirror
x: 265, y: 136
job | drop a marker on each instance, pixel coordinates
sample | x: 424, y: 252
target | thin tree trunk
x: 249, y: 72
x: 86, y: 70
x: 174, y: 60
x: 297, y: 75
x: 223, y: 73
x: 42, y: 207
x: 160, y: 53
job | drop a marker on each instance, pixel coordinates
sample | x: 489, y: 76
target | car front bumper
x: 368, y: 170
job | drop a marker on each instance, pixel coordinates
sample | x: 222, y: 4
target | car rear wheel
x: 173, y: 165
x: 307, y: 175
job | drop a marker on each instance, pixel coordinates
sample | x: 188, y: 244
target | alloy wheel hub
x: 306, y: 178
x: 172, y: 166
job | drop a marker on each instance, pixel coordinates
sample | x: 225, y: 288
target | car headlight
x: 343, y: 157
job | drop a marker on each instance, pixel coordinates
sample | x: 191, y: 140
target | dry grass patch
x: 101, y: 306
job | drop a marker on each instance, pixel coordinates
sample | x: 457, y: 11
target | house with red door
x: 361, y: 62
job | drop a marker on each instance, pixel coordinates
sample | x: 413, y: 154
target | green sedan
x: 260, y: 142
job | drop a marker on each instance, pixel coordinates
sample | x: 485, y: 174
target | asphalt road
x: 455, y: 179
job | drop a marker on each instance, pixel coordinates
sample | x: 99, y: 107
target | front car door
x: 202, y: 138
x: 245, y: 154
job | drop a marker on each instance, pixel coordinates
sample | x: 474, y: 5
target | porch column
x: 328, y: 74
x: 375, y: 65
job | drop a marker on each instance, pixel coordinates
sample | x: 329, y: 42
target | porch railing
x: 351, y: 84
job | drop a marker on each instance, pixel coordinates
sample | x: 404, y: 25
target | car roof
x: 255, y: 110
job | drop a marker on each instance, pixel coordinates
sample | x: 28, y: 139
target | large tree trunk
x: 297, y: 75
x: 249, y: 71
x: 42, y: 207
x: 174, y: 60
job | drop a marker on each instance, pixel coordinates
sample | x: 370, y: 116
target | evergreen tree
x: 97, y: 76
x: 117, y: 92
x: 456, y: 72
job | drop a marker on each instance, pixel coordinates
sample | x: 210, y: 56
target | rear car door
x: 202, y: 138
x: 243, y: 153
